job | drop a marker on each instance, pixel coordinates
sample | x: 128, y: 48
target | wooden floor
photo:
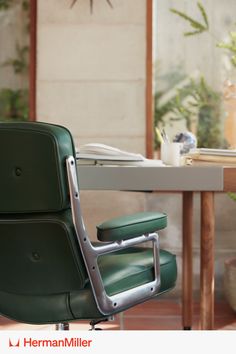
x: 152, y: 315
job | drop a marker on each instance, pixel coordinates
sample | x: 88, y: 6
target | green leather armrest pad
x: 131, y: 226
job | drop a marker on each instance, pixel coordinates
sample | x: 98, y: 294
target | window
x: 194, y: 59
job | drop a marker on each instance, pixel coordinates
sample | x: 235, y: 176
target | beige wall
x: 91, y: 70
x: 91, y: 78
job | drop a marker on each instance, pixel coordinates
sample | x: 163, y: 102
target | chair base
x: 93, y: 323
x: 64, y: 326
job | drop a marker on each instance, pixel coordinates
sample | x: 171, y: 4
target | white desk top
x: 187, y: 178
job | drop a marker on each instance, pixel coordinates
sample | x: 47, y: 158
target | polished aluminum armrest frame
x: 118, y: 302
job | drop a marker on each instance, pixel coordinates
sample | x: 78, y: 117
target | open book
x: 95, y: 153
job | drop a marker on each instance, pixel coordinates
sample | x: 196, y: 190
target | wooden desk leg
x: 187, y: 222
x: 207, y: 260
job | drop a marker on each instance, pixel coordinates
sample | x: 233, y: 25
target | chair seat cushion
x: 123, y: 271
x: 134, y: 266
x: 131, y: 226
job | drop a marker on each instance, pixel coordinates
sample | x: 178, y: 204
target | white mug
x: 170, y: 153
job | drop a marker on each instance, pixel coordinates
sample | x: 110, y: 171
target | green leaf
x: 20, y: 63
x: 193, y: 33
x: 5, y: 4
x: 230, y: 46
x: 204, y: 15
x: 232, y: 196
x: 224, y: 45
x: 196, y: 25
x: 25, y: 5
x: 233, y: 60
x: 14, y: 105
x: 233, y: 35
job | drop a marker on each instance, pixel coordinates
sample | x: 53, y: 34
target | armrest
x: 131, y: 226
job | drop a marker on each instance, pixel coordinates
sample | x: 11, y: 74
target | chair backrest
x: 39, y: 253
x: 33, y: 176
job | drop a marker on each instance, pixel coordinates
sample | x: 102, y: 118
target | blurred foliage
x: 20, y: 62
x: 230, y: 46
x: 5, y: 4
x: 199, y: 28
x: 14, y: 103
x: 208, y: 102
x: 194, y: 101
x: 197, y: 100
x: 232, y: 196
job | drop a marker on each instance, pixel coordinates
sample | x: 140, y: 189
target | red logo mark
x: 15, y: 344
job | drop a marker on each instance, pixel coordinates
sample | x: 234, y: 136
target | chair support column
x: 64, y: 326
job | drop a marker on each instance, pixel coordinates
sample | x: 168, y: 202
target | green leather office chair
x: 50, y: 272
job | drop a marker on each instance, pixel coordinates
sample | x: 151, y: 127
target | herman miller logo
x: 53, y: 343
x: 14, y: 343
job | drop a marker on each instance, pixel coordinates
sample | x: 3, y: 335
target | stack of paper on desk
x: 101, y: 154
x: 215, y: 156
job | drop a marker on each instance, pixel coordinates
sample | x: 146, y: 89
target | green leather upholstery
x: 32, y: 154
x: 140, y: 263
x: 43, y: 278
x: 131, y: 226
x: 120, y: 272
x: 39, y: 253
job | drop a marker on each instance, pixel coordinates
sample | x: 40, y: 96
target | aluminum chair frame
x: 118, y: 302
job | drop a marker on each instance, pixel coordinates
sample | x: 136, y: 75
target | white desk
x: 187, y: 180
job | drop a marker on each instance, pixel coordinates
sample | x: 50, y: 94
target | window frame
x: 149, y: 79
x: 33, y: 60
